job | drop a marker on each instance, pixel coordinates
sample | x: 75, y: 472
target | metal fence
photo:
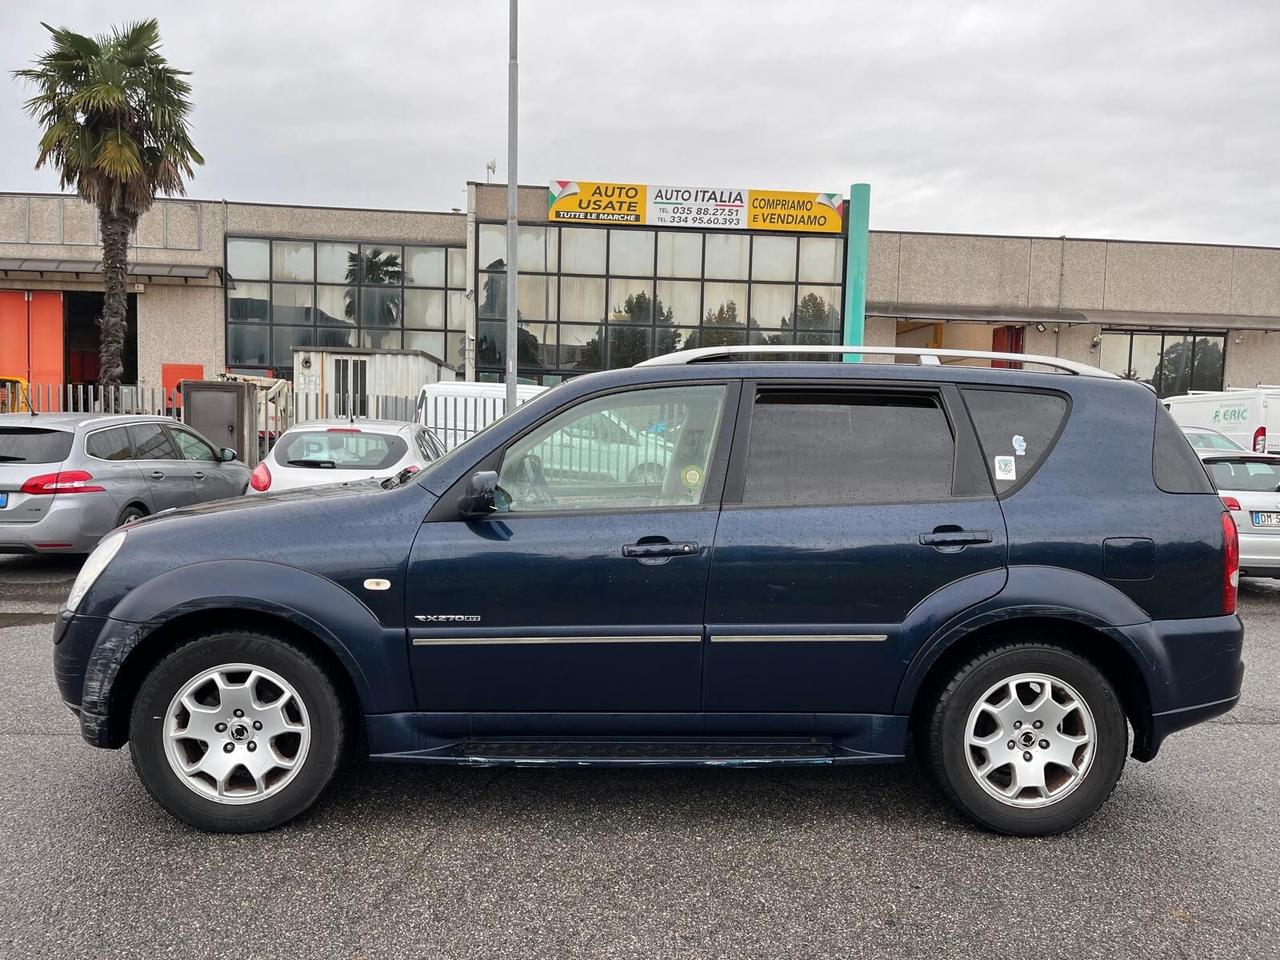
x: 454, y: 419
x: 87, y: 398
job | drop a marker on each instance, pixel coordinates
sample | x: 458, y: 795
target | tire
x: 272, y: 772
x: 1075, y: 776
x: 129, y: 514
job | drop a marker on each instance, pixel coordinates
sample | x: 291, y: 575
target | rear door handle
x: 199, y: 475
x: 954, y: 538
x: 659, y: 549
x: 157, y: 474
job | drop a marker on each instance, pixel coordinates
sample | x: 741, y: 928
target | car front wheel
x: 1027, y: 739
x: 236, y: 731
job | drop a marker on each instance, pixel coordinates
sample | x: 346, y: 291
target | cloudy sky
x: 1141, y: 120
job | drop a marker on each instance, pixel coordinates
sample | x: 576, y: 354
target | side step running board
x: 673, y: 751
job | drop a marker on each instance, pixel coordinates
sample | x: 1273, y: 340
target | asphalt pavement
x: 405, y: 861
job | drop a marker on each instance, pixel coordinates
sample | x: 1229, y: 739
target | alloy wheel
x: 1030, y: 740
x: 236, y: 733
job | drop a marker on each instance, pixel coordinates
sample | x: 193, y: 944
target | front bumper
x: 1198, y: 671
x: 87, y: 654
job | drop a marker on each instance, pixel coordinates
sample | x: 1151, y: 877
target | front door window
x: 634, y: 450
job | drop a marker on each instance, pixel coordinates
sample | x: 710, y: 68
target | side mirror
x: 226, y: 455
x: 480, y: 500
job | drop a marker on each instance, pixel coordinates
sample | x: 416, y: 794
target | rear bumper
x: 72, y: 524
x: 1259, y: 554
x: 1198, y: 671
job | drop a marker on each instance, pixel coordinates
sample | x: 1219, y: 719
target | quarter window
x: 110, y: 444
x: 644, y: 448
x: 843, y: 446
x: 1016, y: 429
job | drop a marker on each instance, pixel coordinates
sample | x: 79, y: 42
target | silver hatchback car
x: 66, y: 480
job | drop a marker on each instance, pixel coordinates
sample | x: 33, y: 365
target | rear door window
x: 34, y: 444
x: 845, y: 446
x: 151, y: 441
x: 110, y: 444
x: 1016, y: 428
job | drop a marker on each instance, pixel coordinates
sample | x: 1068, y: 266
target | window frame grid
x: 559, y: 371
x: 355, y: 329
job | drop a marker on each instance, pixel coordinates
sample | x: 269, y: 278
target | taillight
x: 260, y: 479
x: 1231, y: 503
x: 64, y: 481
x: 344, y: 430
x: 1230, y: 563
x: 1260, y: 440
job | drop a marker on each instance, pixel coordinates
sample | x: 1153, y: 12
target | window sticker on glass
x: 1019, y: 445
x: 691, y: 476
x: 1005, y: 468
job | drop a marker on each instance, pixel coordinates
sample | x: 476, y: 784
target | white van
x: 1250, y: 416
x: 459, y: 410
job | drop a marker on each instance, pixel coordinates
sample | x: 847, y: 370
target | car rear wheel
x: 236, y: 731
x: 1027, y: 739
x: 129, y: 514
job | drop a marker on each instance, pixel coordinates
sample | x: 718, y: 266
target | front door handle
x: 157, y: 474
x: 658, y: 549
x: 944, y: 537
x: 199, y: 475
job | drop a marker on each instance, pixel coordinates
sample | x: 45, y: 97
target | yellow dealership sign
x: 596, y: 202
x: 714, y: 207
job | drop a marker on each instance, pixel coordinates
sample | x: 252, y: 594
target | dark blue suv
x: 711, y: 558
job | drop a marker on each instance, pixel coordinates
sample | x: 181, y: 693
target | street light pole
x: 512, y: 209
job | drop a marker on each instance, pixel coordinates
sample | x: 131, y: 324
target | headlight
x: 102, y: 555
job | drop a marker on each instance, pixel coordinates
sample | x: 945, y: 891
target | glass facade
x: 592, y: 298
x: 1172, y: 362
x: 283, y: 294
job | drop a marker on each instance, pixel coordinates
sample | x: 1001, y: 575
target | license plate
x: 4, y: 500
x: 1266, y: 519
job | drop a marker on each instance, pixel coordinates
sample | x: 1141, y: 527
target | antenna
x: 490, y: 171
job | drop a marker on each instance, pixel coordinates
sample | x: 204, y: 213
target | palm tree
x: 114, y: 120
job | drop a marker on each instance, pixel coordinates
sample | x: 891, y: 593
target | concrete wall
x: 1075, y: 287
x: 185, y: 322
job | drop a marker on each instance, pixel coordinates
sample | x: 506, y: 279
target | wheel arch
x: 170, y: 635
x: 305, y: 608
x: 1107, y: 649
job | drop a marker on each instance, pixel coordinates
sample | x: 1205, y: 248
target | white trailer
x: 1248, y: 415
x: 348, y: 381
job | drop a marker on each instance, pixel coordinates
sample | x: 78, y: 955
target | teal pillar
x: 855, y: 270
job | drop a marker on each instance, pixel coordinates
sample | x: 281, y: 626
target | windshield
x: 34, y: 445
x: 340, y: 448
x: 1251, y: 476
x: 1203, y: 440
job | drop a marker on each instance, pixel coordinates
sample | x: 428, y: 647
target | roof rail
x: 926, y: 356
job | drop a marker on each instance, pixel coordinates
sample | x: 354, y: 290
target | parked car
x: 457, y: 410
x: 1249, y: 484
x: 342, y: 451
x: 1008, y: 567
x: 68, y: 479
x: 1206, y: 438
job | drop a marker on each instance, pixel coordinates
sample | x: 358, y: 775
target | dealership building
x: 222, y: 286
